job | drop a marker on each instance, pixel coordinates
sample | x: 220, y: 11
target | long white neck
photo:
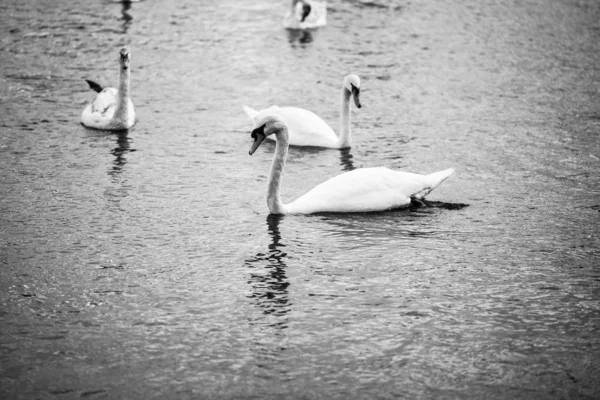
x: 274, y: 202
x: 122, y: 111
x: 344, y: 139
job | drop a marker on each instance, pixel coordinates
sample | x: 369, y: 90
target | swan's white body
x: 305, y: 128
x: 316, y: 17
x: 360, y: 190
x: 101, y: 113
x: 112, y: 109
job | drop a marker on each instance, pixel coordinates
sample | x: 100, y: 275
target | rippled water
x: 145, y: 265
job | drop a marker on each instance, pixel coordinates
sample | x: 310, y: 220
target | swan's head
x: 124, y: 58
x: 302, y: 9
x: 352, y: 84
x: 266, y: 126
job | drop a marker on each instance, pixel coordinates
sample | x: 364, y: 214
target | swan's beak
x: 258, y: 135
x: 124, y: 53
x: 305, y: 11
x: 356, y: 96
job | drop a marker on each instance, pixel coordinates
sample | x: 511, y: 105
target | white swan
x: 112, y: 108
x: 305, y: 128
x: 360, y: 190
x: 306, y: 14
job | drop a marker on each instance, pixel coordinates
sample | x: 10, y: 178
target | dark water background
x: 145, y: 265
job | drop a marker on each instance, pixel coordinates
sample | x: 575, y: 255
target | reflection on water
x: 269, y: 282
x: 123, y: 147
x: 379, y: 229
x: 300, y: 36
x: 497, y: 299
x: 270, y: 293
x: 346, y: 160
x: 125, y: 16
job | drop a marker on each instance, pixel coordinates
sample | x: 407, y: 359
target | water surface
x: 145, y: 265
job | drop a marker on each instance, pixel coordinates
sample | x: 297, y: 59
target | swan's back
x: 367, y: 189
x: 305, y: 128
x: 315, y: 19
x: 100, y: 112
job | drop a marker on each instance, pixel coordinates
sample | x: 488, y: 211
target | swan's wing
x: 305, y: 128
x: 254, y: 115
x: 361, y: 190
x: 96, y: 87
x: 250, y: 112
x: 317, y: 16
x: 101, y: 110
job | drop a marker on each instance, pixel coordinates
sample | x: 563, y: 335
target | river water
x: 145, y: 265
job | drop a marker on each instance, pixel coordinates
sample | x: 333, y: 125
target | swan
x: 359, y: 190
x: 305, y: 128
x: 306, y: 14
x: 112, y: 108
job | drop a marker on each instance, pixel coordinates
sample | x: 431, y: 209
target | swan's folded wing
x: 100, y: 111
x: 105, y: 102
x: 361, y: 190
x: 306, y: 128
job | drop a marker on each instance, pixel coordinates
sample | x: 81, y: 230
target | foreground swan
x: 112, y: 108
x: 360, y: 190
x: 305, y: 128
x: 306, y: 14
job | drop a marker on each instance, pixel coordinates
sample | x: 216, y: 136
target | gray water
x: 145, y: 265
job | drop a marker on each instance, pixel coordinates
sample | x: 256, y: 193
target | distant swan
x: 308, y: 129
x: 360, y: 190
x: 306, y: 14
x: 112, y: 108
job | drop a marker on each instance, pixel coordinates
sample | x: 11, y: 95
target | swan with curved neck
x: 112, y: 109
x: 306, y: 14
x: 305, y: 128
x: 359, y: 190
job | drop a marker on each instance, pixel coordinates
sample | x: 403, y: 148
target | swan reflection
x: 123, y: 147
x: 269, y: 280
x: 377, y: 229
x: 346, y: 160
x: 125, y: 16
x: 301, y: 36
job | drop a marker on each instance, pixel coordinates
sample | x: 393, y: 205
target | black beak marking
x: 356, y: 95
x: 258, y: 135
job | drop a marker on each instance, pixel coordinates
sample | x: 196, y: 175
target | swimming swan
x: 305, y: 128
x: 360, y: 190
x: 112, y: 108
x: 306, y: 14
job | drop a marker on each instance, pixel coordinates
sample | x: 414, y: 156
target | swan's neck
x: 122, y: 111
x: 344, y: 140
x: 274, y: 202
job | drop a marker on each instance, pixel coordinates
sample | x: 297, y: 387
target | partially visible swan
x: 306, y: 14
x: 112, y: 108
x: 360, y: 190
x: 305, y: 128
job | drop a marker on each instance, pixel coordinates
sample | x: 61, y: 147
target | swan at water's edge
x: 360, y: 190
x: 306, y: 14
x: 112, y: 108
x: 305, y: 128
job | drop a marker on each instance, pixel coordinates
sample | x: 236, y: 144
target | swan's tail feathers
x: 250, y: 112
x: 433, y: 180
x: 94, y: 86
